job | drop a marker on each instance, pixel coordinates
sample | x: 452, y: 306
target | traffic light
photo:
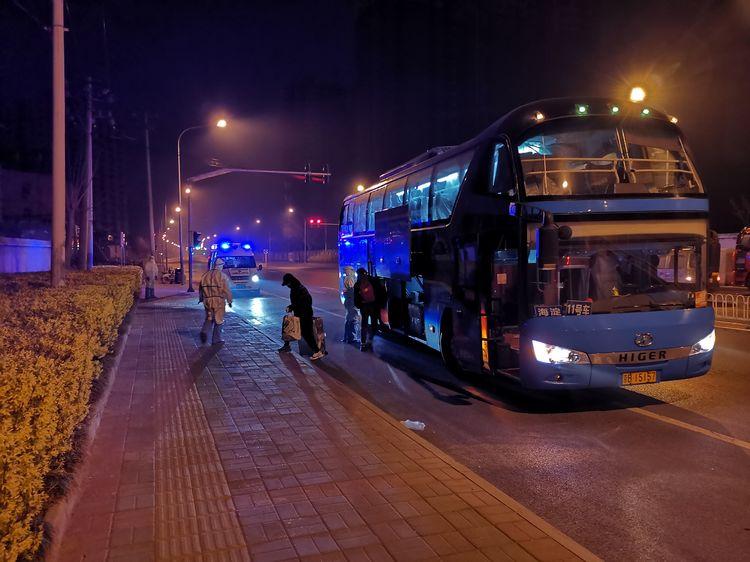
x: 308, y: 177
x: 326, y: 179
x: 196, y: 240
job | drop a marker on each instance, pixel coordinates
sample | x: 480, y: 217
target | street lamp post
x: 221, y: 123
x: 188, y: 192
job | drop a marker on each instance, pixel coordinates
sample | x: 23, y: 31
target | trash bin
x: 178, y: 276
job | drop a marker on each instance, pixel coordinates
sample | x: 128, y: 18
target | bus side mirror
x: 260, y: 267
x: 547, y: 244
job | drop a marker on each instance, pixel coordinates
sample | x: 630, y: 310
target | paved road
x: 656, y: 472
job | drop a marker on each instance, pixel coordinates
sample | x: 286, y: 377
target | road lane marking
x: 396, y: 379
x: 691, y: 427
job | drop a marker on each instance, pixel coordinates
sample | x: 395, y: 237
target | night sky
x: 365, y: 85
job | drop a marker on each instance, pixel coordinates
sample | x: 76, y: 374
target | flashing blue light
x: 225, y: 245
x: 246, y: 246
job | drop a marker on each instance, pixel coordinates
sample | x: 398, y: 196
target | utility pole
x: 57, y: 256
x: 86, y: 255
x: 150, y: 192
x: 166, y: 244
x: 190, y: 288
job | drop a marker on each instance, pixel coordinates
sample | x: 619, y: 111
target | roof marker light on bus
x: 449, y: 177
x: 582, y: 109
x: 225, y: 245
x: 539, y: 116
x: 615, y: 109
x: 246, y: 246
x: 645, y: 111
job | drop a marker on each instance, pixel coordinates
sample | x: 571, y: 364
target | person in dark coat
x: 301, y: 307
x: 368, y: 298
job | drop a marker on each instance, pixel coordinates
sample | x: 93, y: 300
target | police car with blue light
x: 239, y: 265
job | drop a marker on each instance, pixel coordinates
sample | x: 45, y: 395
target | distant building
x: 25, y: 204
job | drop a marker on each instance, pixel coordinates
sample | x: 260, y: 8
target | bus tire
x: 446, y: 344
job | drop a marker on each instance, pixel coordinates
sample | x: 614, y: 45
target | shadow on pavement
x: 498, y: 391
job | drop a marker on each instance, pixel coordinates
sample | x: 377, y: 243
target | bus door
x: 391, y: 261
x: 465, y: 319
x: 504, y: 335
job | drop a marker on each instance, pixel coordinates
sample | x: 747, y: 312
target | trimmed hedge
x: 51, y: 344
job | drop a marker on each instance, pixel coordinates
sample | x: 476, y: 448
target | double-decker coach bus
x: 565, y: 246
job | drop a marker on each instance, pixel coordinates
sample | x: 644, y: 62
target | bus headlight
x: 705, y: 345
x: 255, y: 278
x: 546, y: 353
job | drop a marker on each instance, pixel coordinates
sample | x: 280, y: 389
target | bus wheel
x: 446, y: 344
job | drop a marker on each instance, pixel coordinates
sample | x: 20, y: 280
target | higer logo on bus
x: 642, y: 356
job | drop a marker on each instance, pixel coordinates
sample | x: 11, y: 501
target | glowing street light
x: 290, y: 209
x: 236, y: 227
x: 637, y: 94
x: 257, y: 221
x: 178, y: 209
x: 221, y: 123
x: 188, y: 190
x: 360, y: 188
x: 171, y: 221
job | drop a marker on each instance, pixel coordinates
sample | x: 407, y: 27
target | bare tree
x: 76, y: 191
x: 741, y: 209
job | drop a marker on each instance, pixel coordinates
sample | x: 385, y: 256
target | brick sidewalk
x: 236, y: 453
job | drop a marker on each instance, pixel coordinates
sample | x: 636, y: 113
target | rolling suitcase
x: 320, y: 338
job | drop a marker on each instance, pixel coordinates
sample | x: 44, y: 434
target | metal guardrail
x: 732, y: 308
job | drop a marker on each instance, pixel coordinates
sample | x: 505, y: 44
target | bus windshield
x: 238, y: 262
x: 625, y: 274
x: 574, y: 157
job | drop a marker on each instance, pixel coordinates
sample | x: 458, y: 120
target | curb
x: 59, y: 514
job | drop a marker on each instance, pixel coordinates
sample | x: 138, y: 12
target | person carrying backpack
x: 366, y: 300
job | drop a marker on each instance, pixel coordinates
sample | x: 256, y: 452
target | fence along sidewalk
x: 728, y: 307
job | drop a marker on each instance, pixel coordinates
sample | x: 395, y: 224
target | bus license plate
x: 638, y: 377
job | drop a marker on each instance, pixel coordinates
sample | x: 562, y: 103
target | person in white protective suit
x: 215, y: 294
x: 150, y: 272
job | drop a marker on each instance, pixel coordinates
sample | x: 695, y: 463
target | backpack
x: 366, y: 292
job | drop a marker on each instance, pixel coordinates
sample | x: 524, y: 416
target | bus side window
x: 346, y: 219
x: 419, y: 197
x: 502, y: 181
x: 360, y: 213
x: 448, y: 178
x: 376, y: 204
x: 394, y: 195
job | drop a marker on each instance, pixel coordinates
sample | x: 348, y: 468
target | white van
x: 239, y: 265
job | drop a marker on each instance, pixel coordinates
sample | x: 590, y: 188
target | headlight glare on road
x: 255, y: 278
x: 546, y: 353
x: 705, y: 345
